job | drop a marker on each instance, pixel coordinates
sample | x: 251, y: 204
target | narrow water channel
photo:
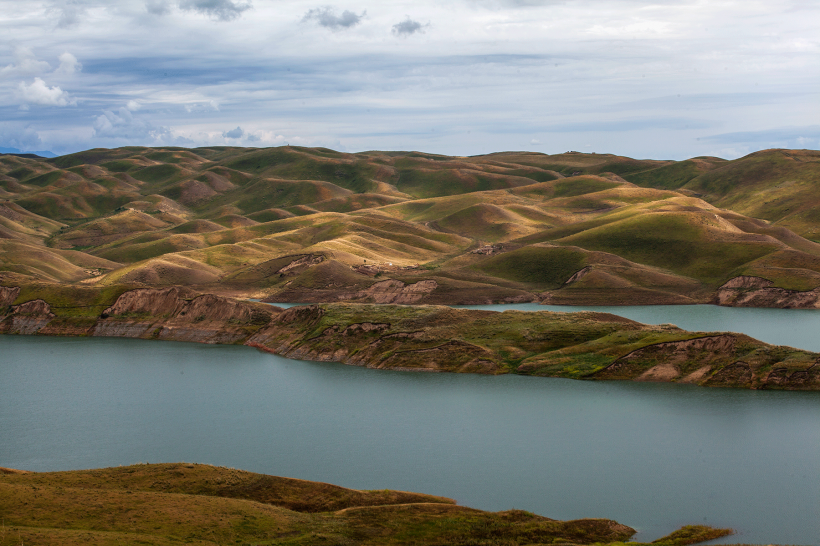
x: 653, y: 456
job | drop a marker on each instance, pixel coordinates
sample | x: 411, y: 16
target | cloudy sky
x: 665, y: 79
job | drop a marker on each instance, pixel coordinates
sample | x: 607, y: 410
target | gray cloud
x: 70, y: 11
x: 122, y: 124
x: 253, y: 138
x: 222, y: 10
x: 327, y: 18
x: 20, y: 137
x: 408, y: 27
x: 157, y: 7
x: 234, y: 133
x: 807, y: 135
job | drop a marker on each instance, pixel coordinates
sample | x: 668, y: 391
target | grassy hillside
x: 513, y: 226
x: 206, y: 505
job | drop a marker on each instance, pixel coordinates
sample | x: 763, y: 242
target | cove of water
x: 652, y: 456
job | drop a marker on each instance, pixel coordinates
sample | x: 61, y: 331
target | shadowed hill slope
x: 512, y: 226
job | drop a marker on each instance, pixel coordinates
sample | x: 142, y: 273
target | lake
x: 652, y: 456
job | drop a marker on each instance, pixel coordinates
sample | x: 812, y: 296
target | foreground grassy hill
x: 312, y: 224
x: 206, y: 505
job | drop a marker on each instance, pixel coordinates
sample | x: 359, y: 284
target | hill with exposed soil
x: 315, y: 225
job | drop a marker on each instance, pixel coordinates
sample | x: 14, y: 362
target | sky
x: 669, y: 79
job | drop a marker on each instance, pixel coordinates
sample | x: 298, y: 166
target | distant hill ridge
x: 15, y: 151
x: 313, y: 224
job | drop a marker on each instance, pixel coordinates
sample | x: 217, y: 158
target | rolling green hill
x: 206, y: 505
x: 512, y: 226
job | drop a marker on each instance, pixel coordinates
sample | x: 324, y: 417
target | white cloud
x: 68, y: 64
x: 40, y: 93
x: 133, y: 105
x: 632, y: 29
x: 25, y: 64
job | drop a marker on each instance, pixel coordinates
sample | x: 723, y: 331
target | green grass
x: 93, y: 157
x: 165, y: 157
x: 536, y: 175
x: 355, y: 177
x: 547, y: 267
x: 119, y: 165
x: 264, y: 194
x: 580, y: 186
x: 257, y: 161
x: 671, y: 242
x: 45, y: 179
x: 136, y: 252
x: 156, y: 173
x: 420, y: 181
x: 72, y: 301
x: 200, y: 504
x: 20, y: 173
x: 668, y: 177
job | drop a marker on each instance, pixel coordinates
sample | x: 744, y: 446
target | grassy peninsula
x: 427, y: 338
x: 206, y: 505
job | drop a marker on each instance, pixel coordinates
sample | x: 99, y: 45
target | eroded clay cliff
x: 748, y: 291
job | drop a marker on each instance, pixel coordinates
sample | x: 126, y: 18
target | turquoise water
x: 653, y: 456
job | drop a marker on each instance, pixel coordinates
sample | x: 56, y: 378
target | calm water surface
x: 652, y: 456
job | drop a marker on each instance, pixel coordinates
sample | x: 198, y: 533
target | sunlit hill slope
x: 312, y: 224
